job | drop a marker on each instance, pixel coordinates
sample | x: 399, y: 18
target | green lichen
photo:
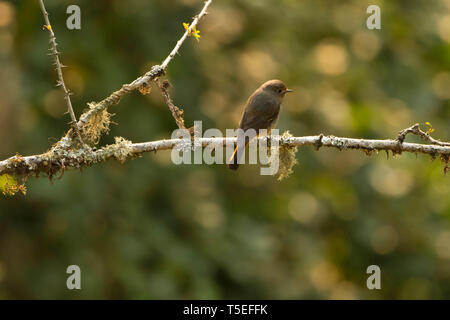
x: 97, y: 124
x: 120, y: 150
x: 286, y: 157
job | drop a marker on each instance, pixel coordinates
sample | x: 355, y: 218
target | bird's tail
x: 233, y: 163
x: 242, y: 143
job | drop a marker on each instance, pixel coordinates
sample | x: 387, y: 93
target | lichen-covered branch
x: 63, y: 157
x: 59, y: 66
x: 93, y: 123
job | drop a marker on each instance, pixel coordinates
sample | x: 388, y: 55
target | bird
x: 261, y: 111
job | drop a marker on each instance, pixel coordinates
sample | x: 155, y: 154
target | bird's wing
x: 257, y: 122
x: 261, y: 111
x: 255, y: 119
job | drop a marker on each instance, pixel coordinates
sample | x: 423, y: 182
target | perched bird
x: 260, y: 112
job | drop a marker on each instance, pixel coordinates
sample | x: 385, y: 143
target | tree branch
x: 52, y: 162
x: 155, y: 71
x: 415, y: 129
x: 177, y: 113
x: 185, y: 35
x: 59, y: 66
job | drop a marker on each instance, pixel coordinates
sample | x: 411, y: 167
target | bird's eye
x: 279, y: 90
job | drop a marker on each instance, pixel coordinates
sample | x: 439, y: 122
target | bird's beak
x: 289, y: 90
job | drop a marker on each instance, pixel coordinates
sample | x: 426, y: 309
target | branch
x: 52, y: 162
x: 155, y: 72
x: 415, y: 129
x: 176, y: 112
x: 185, y: 35
x: 59, y: 66
x: 94, y: 122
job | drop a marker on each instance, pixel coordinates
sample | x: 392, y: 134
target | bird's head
x: 276, y: 87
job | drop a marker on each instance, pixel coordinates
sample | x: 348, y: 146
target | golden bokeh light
x: 365, y: 45
x: 226, y: 26
x: 443, y: 27
x: 394, y: 114
x: 258, y: 65
x: 6, y: 14
x: 324, y: 275
x: 303, y: 207
x: 335, y: 109
x: 390, y: 181
x: 331, y: 58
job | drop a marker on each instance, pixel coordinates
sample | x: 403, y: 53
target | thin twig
x: 59, y: 66
x: 415, y: 129
x: 185, y: 35
x: 177, y: 113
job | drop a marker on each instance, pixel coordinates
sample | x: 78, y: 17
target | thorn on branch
x: 318, y: 142
x: 57, y: 63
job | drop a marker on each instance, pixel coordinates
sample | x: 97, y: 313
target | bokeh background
x: 149, y: 229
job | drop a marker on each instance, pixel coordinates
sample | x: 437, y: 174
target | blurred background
x: 149, y: 229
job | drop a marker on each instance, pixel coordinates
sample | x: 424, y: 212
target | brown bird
x: 260, y: 112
